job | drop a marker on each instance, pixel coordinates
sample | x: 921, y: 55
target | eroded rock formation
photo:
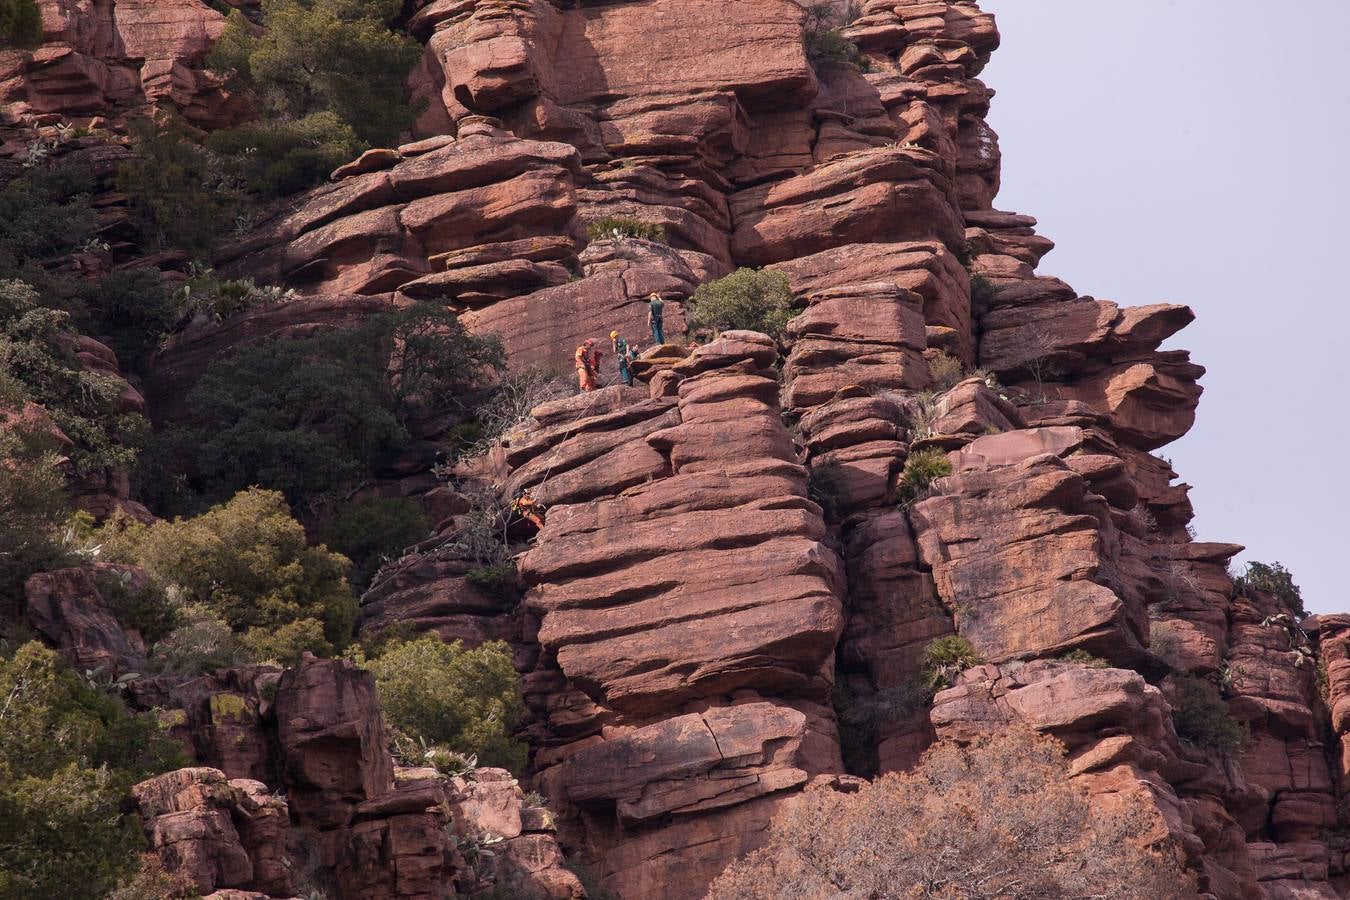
x: 699, y: 637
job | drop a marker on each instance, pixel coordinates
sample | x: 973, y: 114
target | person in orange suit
x: 528, y: 509
x: 588, y: 365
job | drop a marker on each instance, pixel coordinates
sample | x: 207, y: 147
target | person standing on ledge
x: 655, y: 312
x: 625, y: 356
x: 588, y: 365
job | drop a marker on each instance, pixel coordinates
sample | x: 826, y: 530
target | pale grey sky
x: 1195, y: 151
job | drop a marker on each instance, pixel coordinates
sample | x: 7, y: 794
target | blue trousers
x: 658, y: 331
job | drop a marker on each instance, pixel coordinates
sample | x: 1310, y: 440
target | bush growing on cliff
x: 20, y: 23
x: 442, y: 694
x: 922, y: 468
x: 825, y: 43
x: 1201, y: 716
x: 173, y: 187
x: 945, y: 658
x: 278, y: 158
x: 249, y: 562
x: 613, y: 228
x: 826, y: 486
x: 68, y: 754
x: 1272, y: 579
x: 745, y: 300
x: 998, y: 819
x: 372, y: 530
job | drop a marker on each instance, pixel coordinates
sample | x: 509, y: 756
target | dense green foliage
x: 249, y: 563
x: 466, y: 700
x: 372, y: 530
x: 32, y: 496
x: 747, y: 299
x: 1272, y: 579
x: 277, y: 158
x: 825, y: 43
x: 1201, y: 716
x: 129, y: 310
x: 44, y: 212
x: 47, y: 212
x: 312, y: 415
x: 327, y: 77
x: 173, y: 187
x: 20, y: 23
x: 68, y: 754
x: 37, y: 353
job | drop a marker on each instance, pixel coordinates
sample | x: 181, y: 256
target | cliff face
x: 693, y: 617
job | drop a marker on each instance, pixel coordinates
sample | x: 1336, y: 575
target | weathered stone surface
x: 1020, y: 553
x: 332, y: 739
x: 215, y: 833
x: 66, y: 607
x: 689, y: 764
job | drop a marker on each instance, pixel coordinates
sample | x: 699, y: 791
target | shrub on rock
x: 945, y: 658
x: 1201, y: 716
x: 1272, y: 579
x: 745, y: 300
x: 613, y: 228
x: 441, y: 694
x: 32, y: 495
x: 249, y: 562
x: 998, y: 819
x: 922, y: 468
x: 20, y: 23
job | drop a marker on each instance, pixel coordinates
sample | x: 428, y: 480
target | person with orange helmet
x: 588, y: 365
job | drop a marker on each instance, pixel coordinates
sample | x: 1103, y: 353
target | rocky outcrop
x: 331, y: 811
x: 736, y: 582
x: 106, y: 58
x: 68, y: 609
x: 216, y: 833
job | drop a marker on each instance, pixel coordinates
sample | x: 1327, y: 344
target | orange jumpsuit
x: 528, y: 508
x: 588, y: 364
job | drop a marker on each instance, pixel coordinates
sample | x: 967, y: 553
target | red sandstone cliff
x: 690, y: 610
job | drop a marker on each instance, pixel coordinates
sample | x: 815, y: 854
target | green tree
x: 37, y: 352
x: 372, y: 530
x: 20, y: 23
x: 465, y: 700
x: 249, y: 562
x: 432, y: 360
x: 130, y: 310
x: 747, y: 299
x: 32, y: 494
x: 173, y: 187
x: 311, y: 415
x: 44, y: 212
x: 301, y: 416
x: 280, y: 157
x: 326, y: 75
x: 68, y: 754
